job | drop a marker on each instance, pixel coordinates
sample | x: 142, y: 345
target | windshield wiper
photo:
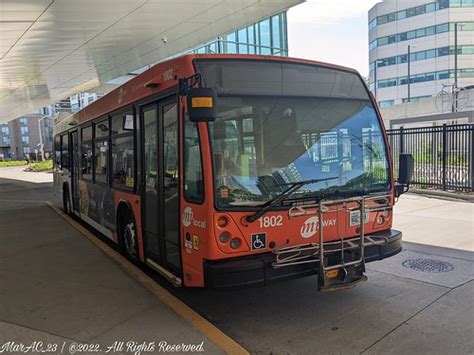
x: 294, y: 186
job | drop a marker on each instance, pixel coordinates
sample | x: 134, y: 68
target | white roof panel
x: 50, y: 49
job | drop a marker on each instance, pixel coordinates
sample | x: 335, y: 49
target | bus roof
x: 164, y: 76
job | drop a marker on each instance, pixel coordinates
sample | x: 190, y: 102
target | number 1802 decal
x: 270, y: 221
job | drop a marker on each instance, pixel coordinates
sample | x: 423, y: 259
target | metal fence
x: 443, y: 155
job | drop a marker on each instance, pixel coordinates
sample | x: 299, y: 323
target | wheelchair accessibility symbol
x: 259, y: 241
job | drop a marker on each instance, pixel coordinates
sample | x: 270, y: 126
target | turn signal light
x: 332, y: 274
x: 222, y: 221
x: 224, y: 237
x: 235, y: 243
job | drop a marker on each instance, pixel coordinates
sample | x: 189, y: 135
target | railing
x: 443, y: 155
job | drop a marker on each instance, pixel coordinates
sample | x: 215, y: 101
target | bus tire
x: 66, y: 201
x: 128, y: 241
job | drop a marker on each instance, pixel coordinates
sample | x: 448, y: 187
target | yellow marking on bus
x: 195, y: 242
x: 201, y: 102
x: 218, y: 337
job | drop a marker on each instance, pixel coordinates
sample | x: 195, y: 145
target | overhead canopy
x: 51, y: 49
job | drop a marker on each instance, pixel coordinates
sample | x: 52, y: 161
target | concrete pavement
x: 436, y: 222
x: 57, y: 287
x: 420, y: 301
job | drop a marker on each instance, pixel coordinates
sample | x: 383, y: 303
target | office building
x: 412, y: 48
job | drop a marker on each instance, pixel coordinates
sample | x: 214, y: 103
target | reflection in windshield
x: 262, y: 144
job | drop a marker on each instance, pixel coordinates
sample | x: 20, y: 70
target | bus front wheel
x: 128, y: 237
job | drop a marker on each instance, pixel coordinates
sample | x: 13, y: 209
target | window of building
x: 123, y: 152
x: 193, y: 174
x: 6, y: 140
x: 86, y: 153
x: 276, y: 35
x: 386, y: 103
x: 5, y: 130
x: 26, y: 150
x: 101, y: 151
x: 24, y: 130
x: 265, y: 37
x: 443, y: 4
x: 411, y: 12
x: 231, y: 46
x: 23, y: 121
x: 442, y: 28
x: 420, y: 10
x: 431, y: 7
x: 401, y: 15
x: 242, y: 40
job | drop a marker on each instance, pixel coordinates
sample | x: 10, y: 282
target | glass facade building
x: 266, y: 37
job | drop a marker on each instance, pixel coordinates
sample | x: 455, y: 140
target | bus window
x: 123, y: 154
x: 57, y: 151
x: 65, y: 151
x: 101, y: 151
x: 86, y: 153
x: 193, y: 177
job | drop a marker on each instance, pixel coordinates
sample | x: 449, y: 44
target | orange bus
x: 231, y: 170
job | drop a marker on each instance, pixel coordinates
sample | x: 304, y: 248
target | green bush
x: 4, y: 164
x: 46, y: 165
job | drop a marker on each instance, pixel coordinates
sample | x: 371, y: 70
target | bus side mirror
x: 202, y: 104
x: 405, y: 174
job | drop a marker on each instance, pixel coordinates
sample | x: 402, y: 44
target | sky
x: 333, y: 31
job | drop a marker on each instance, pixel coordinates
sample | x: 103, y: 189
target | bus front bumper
x: 257, y: 270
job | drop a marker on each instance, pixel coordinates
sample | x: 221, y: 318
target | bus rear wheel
x: 66, y: 201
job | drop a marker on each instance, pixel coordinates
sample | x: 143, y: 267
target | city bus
x: 232, y: 170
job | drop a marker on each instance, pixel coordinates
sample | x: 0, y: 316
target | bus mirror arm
x: 405, y: 174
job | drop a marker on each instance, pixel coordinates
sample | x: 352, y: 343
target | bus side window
x: 123, y: 152
x: 86, y: 153
x: 193, y: 176
x: 57, y: 151
x: 65, y: 151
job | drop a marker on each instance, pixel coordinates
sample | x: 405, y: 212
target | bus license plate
x: 354, y: 218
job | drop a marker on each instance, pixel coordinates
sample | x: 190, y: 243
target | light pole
x: 455, y: 86
x: 409, y: 71
x: 41, y: 145
x: 376, y: 62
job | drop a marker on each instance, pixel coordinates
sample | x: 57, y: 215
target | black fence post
x: 402, y: 142
x: 444, y: 143
x: 471, y: 161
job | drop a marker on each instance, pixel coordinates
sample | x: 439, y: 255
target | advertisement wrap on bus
x: 235, y: 170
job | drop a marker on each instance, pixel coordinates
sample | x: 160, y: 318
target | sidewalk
x: 435, y: 222
x: 56, y: 286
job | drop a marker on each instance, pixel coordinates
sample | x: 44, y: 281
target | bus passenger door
x: 151, y: 188
x: 161, y: 185
x: 75, y: 171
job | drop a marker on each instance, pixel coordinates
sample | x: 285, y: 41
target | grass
x: 4, y: 164
x: 46, y: 165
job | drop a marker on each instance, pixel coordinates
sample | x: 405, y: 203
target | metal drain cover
x: 428, y: 265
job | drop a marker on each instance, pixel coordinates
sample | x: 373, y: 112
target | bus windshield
x: 266, y: 139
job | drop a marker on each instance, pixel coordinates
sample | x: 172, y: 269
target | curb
x: 227, y: 344
x: 444, y: 195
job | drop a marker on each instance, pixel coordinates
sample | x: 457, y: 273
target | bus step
x: 341, y: 278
